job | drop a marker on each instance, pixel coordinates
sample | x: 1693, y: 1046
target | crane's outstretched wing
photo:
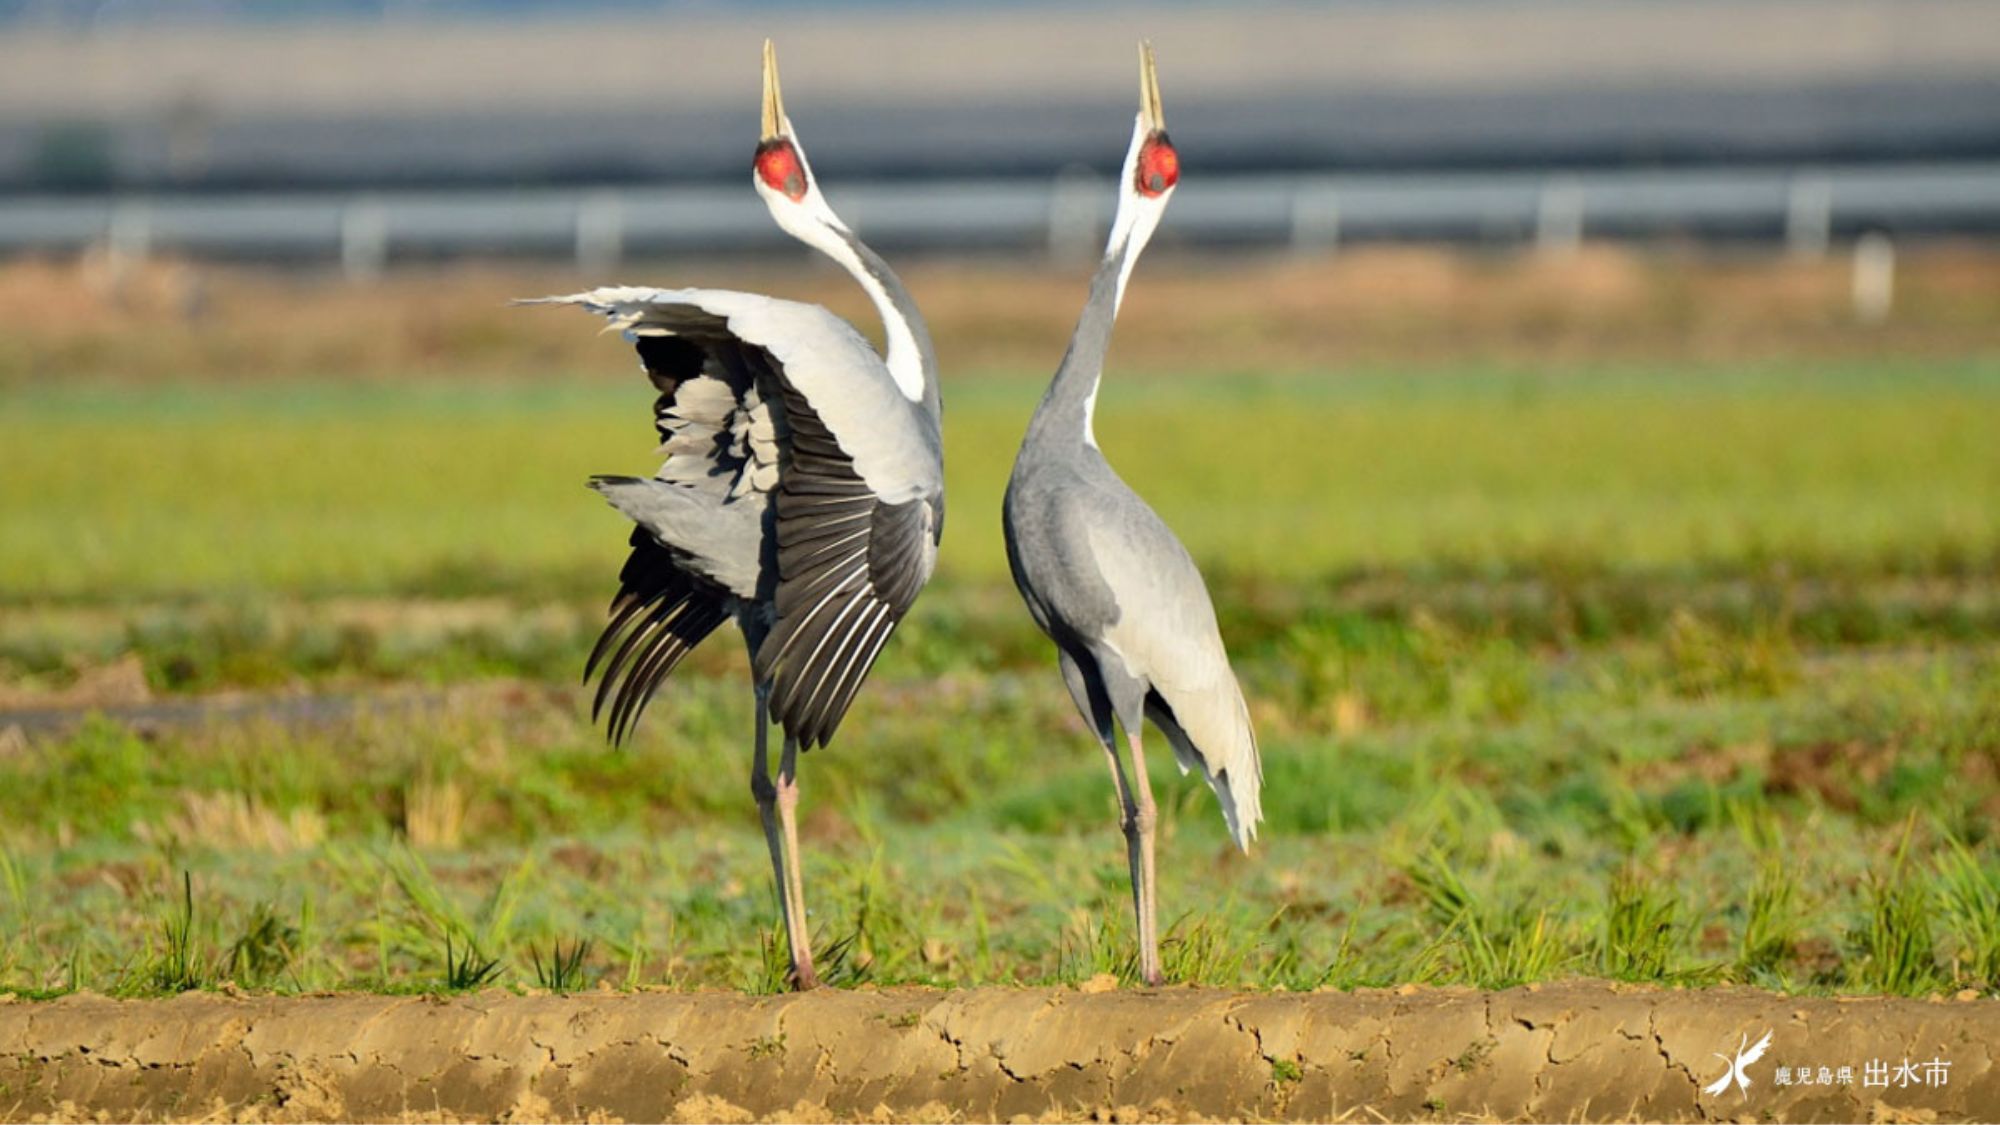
x: 854, y: 488
x: 716, y: 431
x: 1756, y: 1050
x: 1722, y: 1083
x: 849, y: 566
x: 696, y: 551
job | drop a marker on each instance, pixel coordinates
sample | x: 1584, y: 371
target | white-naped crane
x: 802, y: 494
x: 1131, y: 619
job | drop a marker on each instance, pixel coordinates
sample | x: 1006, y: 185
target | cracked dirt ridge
x: 1557, y: 1052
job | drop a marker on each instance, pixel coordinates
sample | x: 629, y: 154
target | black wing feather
x: 660, y: 614
x: 661, y: 611
x: 849, y: 567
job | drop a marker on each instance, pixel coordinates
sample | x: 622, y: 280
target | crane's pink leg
x: 803, y: 976
x: 1145, y: 817
x: 767, y: 811
x: 1128, y: 823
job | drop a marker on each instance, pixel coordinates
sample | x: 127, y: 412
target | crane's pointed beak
x: 774, y: 102
x: 1149, y: 91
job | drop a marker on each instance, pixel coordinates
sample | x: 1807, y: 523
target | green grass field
x: 119, y: 492
x: 1683, y: 675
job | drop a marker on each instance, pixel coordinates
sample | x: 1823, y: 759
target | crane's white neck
x: 902, y: 355
x: 1068, y: 411
x: 813, y: 222
x: 1131, y: 228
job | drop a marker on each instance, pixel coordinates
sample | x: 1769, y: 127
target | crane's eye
x: 779, y: 166
x: 1159, y: 167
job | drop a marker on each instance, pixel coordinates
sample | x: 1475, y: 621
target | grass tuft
x: 265, y: 950
x: 563, y: 971
x: 465, y: 968
x: 1770, y: 923
x: 1895, y: 950
x: 1208, y: 950
x: 179, y: 966
x: 1969, y: 898
x: 1493, y: 948
x: 1641, y: 929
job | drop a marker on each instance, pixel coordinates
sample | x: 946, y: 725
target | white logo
x: 1746, y: 1053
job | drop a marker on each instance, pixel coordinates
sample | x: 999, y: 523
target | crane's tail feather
x: 1236, y: 775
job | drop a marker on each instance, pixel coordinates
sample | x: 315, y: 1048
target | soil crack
x: 1660, y: 1044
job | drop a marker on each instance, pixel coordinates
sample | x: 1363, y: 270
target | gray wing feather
x: 725, y: 539
x: 1166, y: 634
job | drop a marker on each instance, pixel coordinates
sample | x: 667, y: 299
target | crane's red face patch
x: 1158, y: 168
x: 779, y: 166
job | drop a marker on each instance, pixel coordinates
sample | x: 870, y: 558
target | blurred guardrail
x: 1804, y: 209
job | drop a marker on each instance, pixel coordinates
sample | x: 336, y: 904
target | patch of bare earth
x: 119, y: 683
x: 1573, y: 1051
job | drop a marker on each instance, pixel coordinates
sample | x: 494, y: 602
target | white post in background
x: 1809, y: 217
x: 364, y: 239
x: 1315, y: 219
x: 1874, y: 277
x: 600, y: 233
x: 1559, y: 218
x: 129, y: 236
x: 1559, y: 221
x: 128, y: 241
x: 1073, y: 233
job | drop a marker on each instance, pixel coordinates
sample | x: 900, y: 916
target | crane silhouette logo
x: 1746, y: 1053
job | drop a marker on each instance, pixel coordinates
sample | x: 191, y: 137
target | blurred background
x: 367, y: 133
x: 1584, y: 413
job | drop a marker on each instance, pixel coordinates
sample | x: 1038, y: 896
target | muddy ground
x: 1558, y: 1052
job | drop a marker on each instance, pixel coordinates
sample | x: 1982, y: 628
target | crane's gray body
x: 1116, y: 591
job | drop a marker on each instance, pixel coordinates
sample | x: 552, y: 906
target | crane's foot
x: 1151, y: 973
x: 802, y: 978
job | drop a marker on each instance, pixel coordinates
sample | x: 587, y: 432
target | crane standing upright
x: 1106, y: 579
x: 802, y: 494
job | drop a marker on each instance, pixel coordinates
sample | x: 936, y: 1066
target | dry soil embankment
x: 1554, y: 1053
